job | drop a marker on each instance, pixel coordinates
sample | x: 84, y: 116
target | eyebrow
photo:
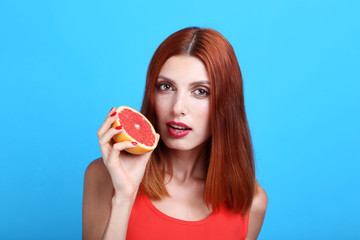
x: 192, y: 84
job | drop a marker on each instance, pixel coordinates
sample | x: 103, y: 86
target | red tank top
x: 147, y: 222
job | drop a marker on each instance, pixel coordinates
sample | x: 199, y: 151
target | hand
x: 126, y: 170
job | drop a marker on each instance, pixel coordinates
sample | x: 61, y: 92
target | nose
x: 179, y: 104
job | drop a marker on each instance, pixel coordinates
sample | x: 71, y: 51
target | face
x: 182, y: 99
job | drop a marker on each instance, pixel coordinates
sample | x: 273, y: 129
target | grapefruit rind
x: 123, y: 135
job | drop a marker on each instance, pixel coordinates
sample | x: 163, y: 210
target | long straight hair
x: 230, y: 177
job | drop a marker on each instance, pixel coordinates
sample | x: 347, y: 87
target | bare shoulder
x: 97, y: 181
x: 97, y: 173
x: 97, y: 197
x: 260, y: 200
x: 257, y: 213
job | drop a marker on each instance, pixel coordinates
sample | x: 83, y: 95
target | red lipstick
x: 178, y: 129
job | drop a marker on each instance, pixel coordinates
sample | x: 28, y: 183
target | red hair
x: 230, y: 175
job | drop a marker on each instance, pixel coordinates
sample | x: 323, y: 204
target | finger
x: 124, y: 145
x: 111, y: 118
x: 118, y: 147
x: 109, y: 134
x: 107, y: 141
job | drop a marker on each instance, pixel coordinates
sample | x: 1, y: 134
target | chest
x: 147, y: 222
x: 188, y: 209
x: 185, y: 203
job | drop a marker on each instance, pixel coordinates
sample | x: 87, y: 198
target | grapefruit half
x: 136, y: 128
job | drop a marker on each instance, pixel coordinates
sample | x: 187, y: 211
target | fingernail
x: 118, y: 127
x: 113, y: 114
x: 134, y: 143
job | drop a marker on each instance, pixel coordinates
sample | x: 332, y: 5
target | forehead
x: 184, y: 68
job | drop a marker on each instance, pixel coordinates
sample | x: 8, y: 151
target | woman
x: 199, y: 183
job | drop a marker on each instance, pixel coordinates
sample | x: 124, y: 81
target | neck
x: 188, y: 164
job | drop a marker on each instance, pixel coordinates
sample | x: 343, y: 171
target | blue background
x: 64, y: 64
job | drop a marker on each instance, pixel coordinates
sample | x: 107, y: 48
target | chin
x: 177, y: 146
x: 183, y: 144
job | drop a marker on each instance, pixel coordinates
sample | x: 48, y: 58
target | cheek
x: 158, y: 103
x: 157, y: 111
x: 160, y: 107
x: 203, y: 114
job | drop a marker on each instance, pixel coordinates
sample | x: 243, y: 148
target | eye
x: 165, y: 87
x: 201, y: 92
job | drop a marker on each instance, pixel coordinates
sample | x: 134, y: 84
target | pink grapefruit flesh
x: 136, y: 128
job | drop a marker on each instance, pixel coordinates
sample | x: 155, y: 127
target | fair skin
x: 181, y: 97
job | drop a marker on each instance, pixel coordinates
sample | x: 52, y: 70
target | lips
x: 178, y: 129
